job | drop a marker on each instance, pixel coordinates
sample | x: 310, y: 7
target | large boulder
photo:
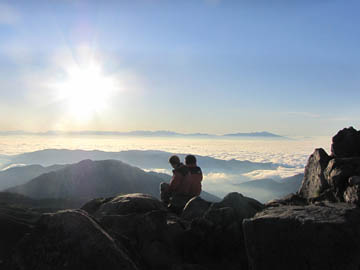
x: 318, y: 236
x: 314, y: 182
x: 153, y: 237
x: 338, y: 172
x: 123, y: 205
x: 70, y: 240
x: 195, y: 208
x: 290, y: 199
x: 352, y: 195
x: 215, y: 240
x: 242, y: 207
x: 150, y: 232
x: 346, y: 143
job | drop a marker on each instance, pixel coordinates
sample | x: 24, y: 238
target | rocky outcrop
x: 206, y: 236
x: 123, y: 205
x: 314, y: 180
x: 195, y: 208
x: 215, y: 240
x: 318, y: 236
x: 70, y: 240
x: 346, y: 143
x: 332, y: 178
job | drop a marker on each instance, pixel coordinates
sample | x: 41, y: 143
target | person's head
x: 174, y: 161
x: 190, y: 160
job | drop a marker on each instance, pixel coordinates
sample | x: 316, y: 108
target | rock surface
x: 70, y: 240
x: 15, y: 223
x: 124, y: 204
x: 195, y: 208
x: 323, y: 236
x: 208, y: 238
x: 314, y: 180
x: 328, y: 178
x: 346, y: 143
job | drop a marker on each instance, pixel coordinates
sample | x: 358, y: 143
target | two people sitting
x: 184, y: 184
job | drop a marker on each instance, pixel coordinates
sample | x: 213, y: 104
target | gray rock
x: 196, y: 207
x: 126, y: 204
x: 70, y: 240
x: 314, y: 181
x: 322, y: 236
x: 352, y: 195
x: 338, y: 172
x: 346, y: 143
x: 354, y: 180
x: 242, y: 207
x: 154, y: 236
x: 291, y: 199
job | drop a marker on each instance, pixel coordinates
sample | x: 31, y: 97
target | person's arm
x: 174, y: 182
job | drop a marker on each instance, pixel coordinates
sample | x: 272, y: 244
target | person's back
x: 196, y: 176
x: 180, y: 179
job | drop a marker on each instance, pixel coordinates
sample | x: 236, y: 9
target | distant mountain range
x: 91, y: 179
x: 255, y: 134
x: 268, y: 189
x: 142, y: 133
x: 148, y: 160
x: 20, y: 175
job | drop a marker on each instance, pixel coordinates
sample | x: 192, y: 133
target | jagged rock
x: 70, y: 240
x: 314, y: 181
x: 215, y: 240
x: 346, y: 143
x: 338, y: 173
x: 352, y: 195
x: 153, y: 235
x: 92, y: 206
x: 291, y: 199
x: 125, y: 204
x: 196, y: 207
x: 322, y: 236
x: 354, y: 180
x: 151, y: 231
x: 242, y: 207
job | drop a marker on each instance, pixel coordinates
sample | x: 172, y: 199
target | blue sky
x: 217, y: 66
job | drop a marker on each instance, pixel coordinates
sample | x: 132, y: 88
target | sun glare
x: 86, y: 90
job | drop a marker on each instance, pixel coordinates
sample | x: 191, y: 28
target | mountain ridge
x: 141, y: 133
x: 89, y: 179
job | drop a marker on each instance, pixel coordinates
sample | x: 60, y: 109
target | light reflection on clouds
x: 290, y: 152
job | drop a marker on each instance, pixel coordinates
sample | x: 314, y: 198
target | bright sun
x: 86, y: 90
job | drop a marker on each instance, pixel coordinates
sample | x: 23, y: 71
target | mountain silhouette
x: 91, y: 179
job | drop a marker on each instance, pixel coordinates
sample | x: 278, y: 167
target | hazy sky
x: 217, y: 66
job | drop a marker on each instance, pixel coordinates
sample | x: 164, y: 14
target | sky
x: 213, y: 66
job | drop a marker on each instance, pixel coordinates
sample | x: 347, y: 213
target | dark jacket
x: 179, y: 183
x: 196, y: 176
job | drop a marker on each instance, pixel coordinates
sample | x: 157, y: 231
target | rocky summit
x: 316, y: 228
x: 133, y: 231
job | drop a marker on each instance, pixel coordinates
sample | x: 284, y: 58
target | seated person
x: 176, y: 194
x: 196, y: 176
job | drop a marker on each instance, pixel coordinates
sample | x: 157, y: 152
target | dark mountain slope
x: 91, y: 179
x: 20, y: 175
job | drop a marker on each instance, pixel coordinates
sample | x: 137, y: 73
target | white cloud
x: 277, y: 174
x: 159, y: 170
x: 8, y: 15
